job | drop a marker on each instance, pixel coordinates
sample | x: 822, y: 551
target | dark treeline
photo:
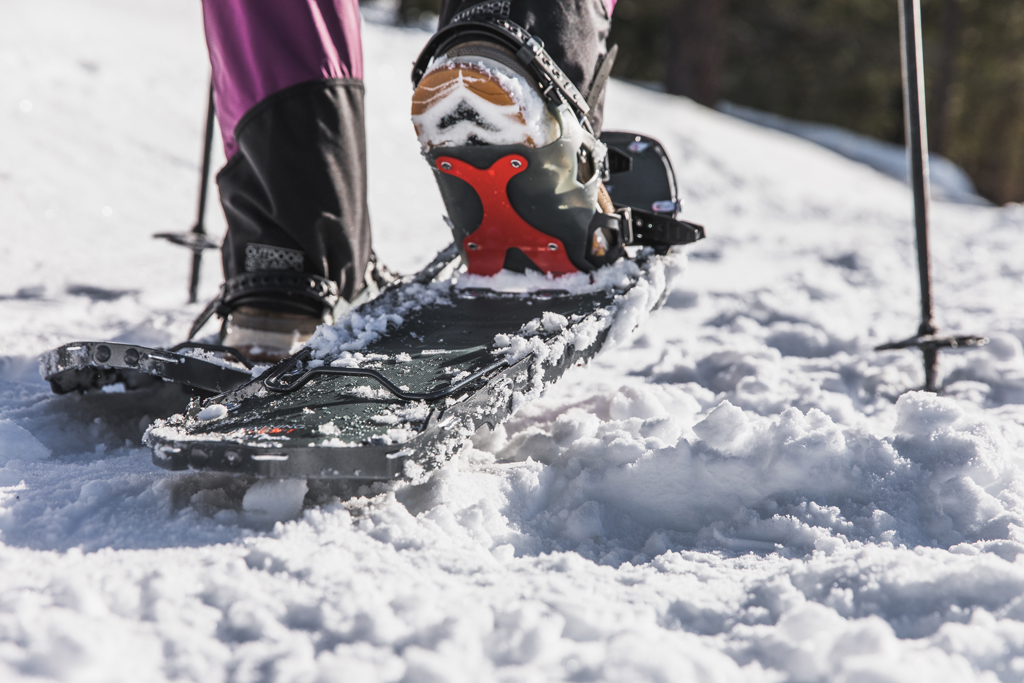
x: 839, y: 62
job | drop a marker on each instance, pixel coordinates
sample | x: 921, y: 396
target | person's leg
x: 289, y: 97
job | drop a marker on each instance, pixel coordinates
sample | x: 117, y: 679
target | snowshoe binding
x: 398, y: 386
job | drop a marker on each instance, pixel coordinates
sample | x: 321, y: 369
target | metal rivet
x: 102, y: 353
x: 446, y: 165
x: 131, y: 357
x: 516, y: 163
x: 552, y: 246
x: 197, y: 457
x: 472, y: 246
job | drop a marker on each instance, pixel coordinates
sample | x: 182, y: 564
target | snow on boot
x: 518, y: 172
x: 478, y: 94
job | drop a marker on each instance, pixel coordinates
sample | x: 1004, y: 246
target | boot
x: 519, y: 173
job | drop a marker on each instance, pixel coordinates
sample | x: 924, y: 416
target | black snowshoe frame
x: 279, y: 431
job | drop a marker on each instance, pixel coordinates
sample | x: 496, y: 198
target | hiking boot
x: 267, y: 316
x: 520, y: 176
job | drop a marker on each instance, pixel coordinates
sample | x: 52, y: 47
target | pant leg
x: 574, y: 34
x: 288, y: 91
x: 260, y: 47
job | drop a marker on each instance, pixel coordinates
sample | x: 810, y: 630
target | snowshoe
x: 398, y: 386
x: 401, y: 385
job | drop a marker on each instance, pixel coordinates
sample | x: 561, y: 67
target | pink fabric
x: 258, y: 47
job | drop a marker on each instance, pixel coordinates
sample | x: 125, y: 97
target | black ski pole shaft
x: 927, y: 338
x: 917, y: 150
x: 204, y: 182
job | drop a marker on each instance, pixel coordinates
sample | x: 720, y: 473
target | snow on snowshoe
x: 399, y: 386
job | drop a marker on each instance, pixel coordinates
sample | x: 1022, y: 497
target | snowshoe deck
x: 409, y: 399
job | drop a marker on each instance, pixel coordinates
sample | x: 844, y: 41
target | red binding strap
x: 502, y: 228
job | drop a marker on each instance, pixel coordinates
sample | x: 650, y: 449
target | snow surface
x: 739, y: 493
x: 948, y: 181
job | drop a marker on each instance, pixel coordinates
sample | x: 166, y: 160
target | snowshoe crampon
x: 203, y: 368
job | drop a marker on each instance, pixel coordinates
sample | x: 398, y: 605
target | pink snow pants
x: 259, y: 47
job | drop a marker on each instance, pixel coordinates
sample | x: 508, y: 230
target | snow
x: 741, y: 490
x: 212, y: 412
x: 270, y: 500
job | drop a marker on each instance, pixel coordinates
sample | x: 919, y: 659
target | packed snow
x: 742, y: 490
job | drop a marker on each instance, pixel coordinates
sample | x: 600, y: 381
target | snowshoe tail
x: 83, y: 366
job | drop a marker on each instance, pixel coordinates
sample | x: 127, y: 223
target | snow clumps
x: 629, y: 476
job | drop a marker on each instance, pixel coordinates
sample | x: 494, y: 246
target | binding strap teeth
x: 492, y: 7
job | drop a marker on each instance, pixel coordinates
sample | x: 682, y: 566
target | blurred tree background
x: 839, y: 62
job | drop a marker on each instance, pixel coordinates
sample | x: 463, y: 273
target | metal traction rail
x: 277, y: 382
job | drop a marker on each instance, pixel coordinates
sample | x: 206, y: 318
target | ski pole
x: 204, y: 184
x: 196, y: 240
x: 916, y: 127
